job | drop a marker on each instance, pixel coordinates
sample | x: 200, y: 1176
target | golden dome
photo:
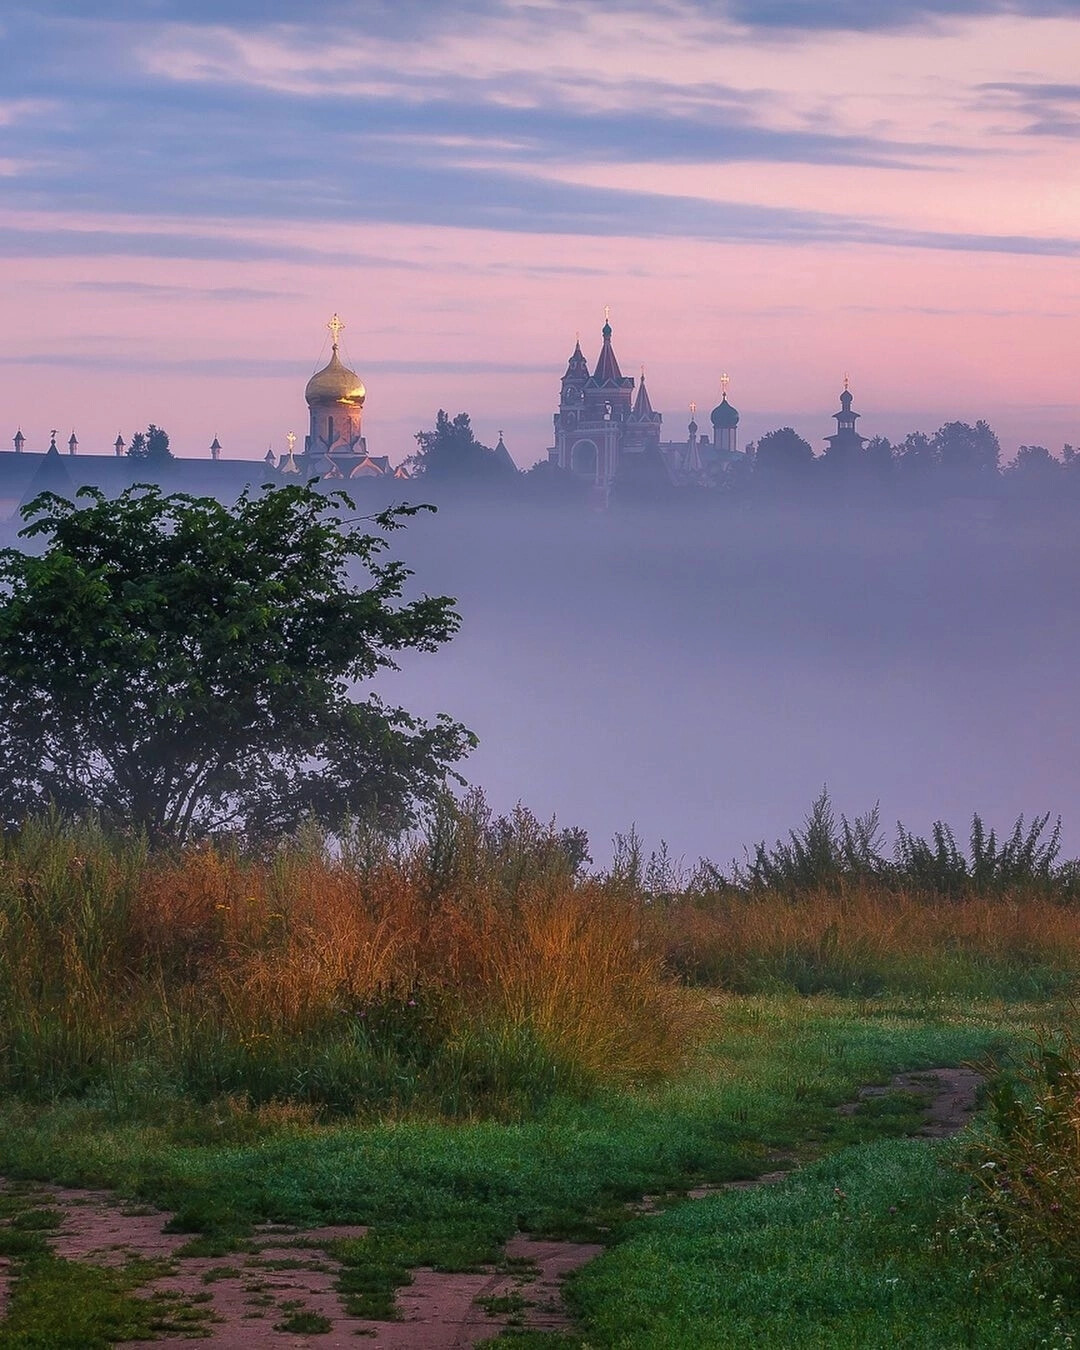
x: 335, y: 383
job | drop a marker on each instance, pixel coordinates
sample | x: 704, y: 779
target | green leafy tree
x: 451, y: 452
x: 150, y: 446
x: 183, y: 667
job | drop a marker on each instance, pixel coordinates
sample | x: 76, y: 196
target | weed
x: 302, y: 1322
x: 1027, y: 1165
x: 68, y: 1305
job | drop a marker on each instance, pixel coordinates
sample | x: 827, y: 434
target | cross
x: 607, y: 313
x: 335, y: 325
x: 725, y: 380
x: 291, y: 437
x: 845, y: 382
x: 693, y: 409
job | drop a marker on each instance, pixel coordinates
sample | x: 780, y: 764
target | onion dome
x: 335, y: 383
x: 724, y: 415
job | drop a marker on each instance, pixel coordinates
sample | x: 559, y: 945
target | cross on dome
x: 336, y: 326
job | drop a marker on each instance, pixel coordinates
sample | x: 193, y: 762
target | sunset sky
x: 787, y: 190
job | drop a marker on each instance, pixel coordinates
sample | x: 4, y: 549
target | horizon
x: 788, y: 193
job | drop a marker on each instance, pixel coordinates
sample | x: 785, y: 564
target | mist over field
x: 700, y: 675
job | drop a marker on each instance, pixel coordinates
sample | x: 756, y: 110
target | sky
x: 787, y: 190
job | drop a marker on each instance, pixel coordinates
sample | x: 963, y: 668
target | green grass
x: 448, y: 1194
x: 852, y: 1252
x: 788, y: 1266
x: 75, y: 1305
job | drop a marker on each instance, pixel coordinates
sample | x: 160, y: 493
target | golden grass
x: 210, y: 950
x: 868, y: 933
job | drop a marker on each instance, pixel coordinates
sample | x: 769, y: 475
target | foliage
x: 963, y: 450
x: 150, y: 446
x: 820, y: 853
x: 1027, y: 1166
x: 451, y: 452
x: 825, y: 853
x: 783, y: 452
x: 182, y: 667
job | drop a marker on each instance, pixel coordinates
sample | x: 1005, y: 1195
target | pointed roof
x: 643, y: 408
x: 367, y: 468
x: 577, y: 368
x: 325, y: 467
x: 504, y: 456
x: 607, y: 367
x: 51, y: 476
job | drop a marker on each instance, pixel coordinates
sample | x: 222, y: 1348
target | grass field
x: 605, y: 1079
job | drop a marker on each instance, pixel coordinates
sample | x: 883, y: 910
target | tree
x: 1034, y: 473
x: 180, y: 666
x: 964, y: 451
x: 783, y: 452
x: 452, y: 453
x: 151, y: 446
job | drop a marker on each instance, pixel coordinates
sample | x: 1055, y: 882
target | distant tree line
x: 956, y: 461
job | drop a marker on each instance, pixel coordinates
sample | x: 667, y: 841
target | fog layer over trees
x: 701, y: 673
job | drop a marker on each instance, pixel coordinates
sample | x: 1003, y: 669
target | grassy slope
x: 449, y: 1194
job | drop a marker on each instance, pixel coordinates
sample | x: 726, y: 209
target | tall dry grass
x: 459, y: 978
x: 869, y: 938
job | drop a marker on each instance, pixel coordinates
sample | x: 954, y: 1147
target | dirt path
x: 277, y: 1293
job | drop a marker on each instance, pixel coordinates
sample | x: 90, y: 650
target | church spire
x: 577, y: 368
x: 643, y: 408
x: 607, y: 367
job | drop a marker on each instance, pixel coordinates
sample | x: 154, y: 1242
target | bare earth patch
x: 251, y: 1296
x: 282, y: 1293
